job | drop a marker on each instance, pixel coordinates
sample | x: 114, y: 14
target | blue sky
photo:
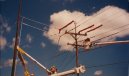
x: 45, y: 50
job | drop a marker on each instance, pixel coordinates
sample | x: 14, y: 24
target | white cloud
x: 29, y: 38
x: 8, y: 63
x: 13, y: 43
x: 5, y: 28
x: 43, y: 44
x: 3, y: 42
x: 110, y: 17
x: 98, y: 73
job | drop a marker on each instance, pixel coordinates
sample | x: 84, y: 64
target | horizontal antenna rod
x: 75, y: 33
x: 65, y: 26
x: 86, y: 28
x: 94, y: 28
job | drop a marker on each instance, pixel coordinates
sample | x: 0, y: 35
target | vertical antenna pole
x: 16, y: 39
x: 76, y: 47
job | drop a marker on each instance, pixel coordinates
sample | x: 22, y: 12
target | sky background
x: 43, y: 48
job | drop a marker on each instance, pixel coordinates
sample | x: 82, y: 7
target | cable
x: 110, y: 64
x: 69, y: 61
x: 34, y: 20
x: 110, y: 30
x: 108, y: 21
x: 117, y: 32
x: 80, y: 24
x: 64, y: 60
x: 80, y: 36
x: 33, y: 27
x: 20, y: 32
x: 80, y: 19
x: 89, y: 19
x: 107, y: 32
x: 96, y: 15
x: 111, y: 34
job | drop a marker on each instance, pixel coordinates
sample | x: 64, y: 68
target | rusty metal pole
x: 76, y: 48
x: 16, y: 39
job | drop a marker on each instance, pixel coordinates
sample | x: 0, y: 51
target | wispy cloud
x: 43, y: 44
x: 3, y: 42
x: 110, y: 17
x: 29, y: 38
x: 4, y: 28
x: 12, y: 43
x: 8, y: 63
x: 98, y: 73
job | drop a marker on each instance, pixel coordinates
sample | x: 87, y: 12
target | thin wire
x: 80, y: 36
x: 110, y: 35
x: 114, y: 33
x: 80, y: 19
x: 34, y: 21
x: 89, y: 19
x: 86, y: 20
x: 20, y: 32
x: 105, y: 37
x: 96, y: 15
x: 116, y: 13
x: 95, y: 40
x: 108, y: 31
x: 67, y: 63
x: 62, y: 64
x: 38, y: 23
x: 80, y: 24
x: 110, y: 64
x: 33, y: 27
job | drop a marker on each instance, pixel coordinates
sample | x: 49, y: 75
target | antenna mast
x: 16, y: 39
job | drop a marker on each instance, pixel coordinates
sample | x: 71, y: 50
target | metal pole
x: 16, y: 39
x: 76, y: 47
x: 80, y: 69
